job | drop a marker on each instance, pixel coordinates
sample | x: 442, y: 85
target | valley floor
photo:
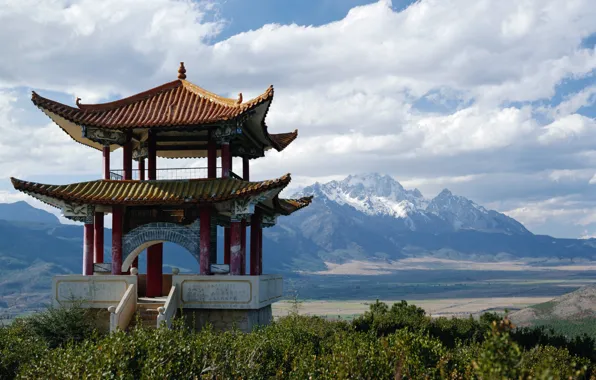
x: 438, y: 307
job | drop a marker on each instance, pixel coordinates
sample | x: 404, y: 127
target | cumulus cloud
x: 432, y: 94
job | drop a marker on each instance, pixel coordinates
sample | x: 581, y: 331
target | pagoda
x: 151, y: 205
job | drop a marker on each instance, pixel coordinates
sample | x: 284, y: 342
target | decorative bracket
x: 104, y: 136
x: 269, y: 220
x: 141, y: 152
x: 243, y: 208
x: 226, y: 132
x: 79, y: 213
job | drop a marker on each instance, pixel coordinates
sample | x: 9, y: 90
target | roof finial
x: 181, y: 71
x: 78, y: 102
x: 239, y: 101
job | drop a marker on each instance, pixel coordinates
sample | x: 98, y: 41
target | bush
x: 60, y: 325
x: 18, y: 345
x: 385, y: 343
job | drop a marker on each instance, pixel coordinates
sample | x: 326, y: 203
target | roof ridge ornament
x: 239, y: 101
x: 78, y: 102
x: 181, y: 71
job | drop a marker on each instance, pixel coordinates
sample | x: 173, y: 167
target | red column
x: 151, y: 157
x: 226, y: 245
x: 226, y: 160
x: 243, y: 246
x: 127, y: 159
x: 245, y: 169
x: 235, y: 254
x: 88, y: 249
x: 98, y: 237
x: 141, y: 169
x: 260, y: 250
x: 154, y: 270
x: 155, y: 252
x: 255, y: 227
x: 211, y: 158
x: 116, y: 239
x: 106, y: 162
x: 141, y: 166
x: 205, y: 240
x: 246, y: 177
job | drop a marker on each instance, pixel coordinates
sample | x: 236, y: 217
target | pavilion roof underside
x: 177, y: 106
x: 174, y: 192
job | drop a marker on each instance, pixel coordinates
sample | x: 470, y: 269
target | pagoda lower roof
x: 159, y: 192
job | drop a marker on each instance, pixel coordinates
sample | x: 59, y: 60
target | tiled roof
x: 281, y: 140
x: 288, y: 206
x: 107, y: 192
x: 177, y: 103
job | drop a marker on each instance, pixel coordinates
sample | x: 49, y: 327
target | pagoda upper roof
x: 160, y: 192
x: 288, y: 206
x: 175, y: 104
x: 173, y: 107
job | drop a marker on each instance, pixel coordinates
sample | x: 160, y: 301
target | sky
x: 493, y: 99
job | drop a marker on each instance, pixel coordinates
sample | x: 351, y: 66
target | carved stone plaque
x: 216, y: 292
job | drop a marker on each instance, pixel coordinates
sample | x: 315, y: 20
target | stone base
x: 227, y: 319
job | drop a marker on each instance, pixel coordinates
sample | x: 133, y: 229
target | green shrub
x: 18, y: 345
x: 385, y: 343
x: 60, y: 325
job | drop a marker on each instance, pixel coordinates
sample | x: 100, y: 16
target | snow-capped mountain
x: 462, y: 213
x: 381, y: 195
x: 372, y: 218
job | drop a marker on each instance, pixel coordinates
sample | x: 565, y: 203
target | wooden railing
x: 121, y: 315
x: 174, y: 173
x: 168, y: 311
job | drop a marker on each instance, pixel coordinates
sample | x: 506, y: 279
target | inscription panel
x: 216, y: 292
x: 228, y: 292
x: 90, y: 291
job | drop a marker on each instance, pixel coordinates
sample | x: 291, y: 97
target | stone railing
x: 121, y: 315
x: 168, y: 311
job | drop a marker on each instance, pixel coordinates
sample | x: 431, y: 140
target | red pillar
x: 226, y: 160
x: 205, y: 240
x: 98, y: 237
x: 106, y: 162
x: 245, y: 169
x: 243, y: 246
x: 155, y: 252
x: 260, y: 250
x: 235, y: 254
x: 151, y: 157
x: 127, y: 159
x: 141, y: 166
x: 255, y: 227
x: 246, y: 177
x: 211, y: 158
x: 141, y: 169
x: 226, y: 245
x: 88, y: 249
x: 116, y: 239
x: 226, y: 167
x: 154, y: 270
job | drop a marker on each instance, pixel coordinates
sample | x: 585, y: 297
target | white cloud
x: 424, y: 94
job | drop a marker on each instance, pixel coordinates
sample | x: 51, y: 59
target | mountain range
x: 368, y: 219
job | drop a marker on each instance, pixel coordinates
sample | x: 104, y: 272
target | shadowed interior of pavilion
x: 151, y: 205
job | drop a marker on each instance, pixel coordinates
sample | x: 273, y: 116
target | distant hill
x: 23, y: 212
x: 574, y: 306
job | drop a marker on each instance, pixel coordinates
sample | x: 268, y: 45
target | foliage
x: 60, y: 325
x: 386, y: 343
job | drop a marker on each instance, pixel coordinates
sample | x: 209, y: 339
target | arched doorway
x: 142, y: 237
